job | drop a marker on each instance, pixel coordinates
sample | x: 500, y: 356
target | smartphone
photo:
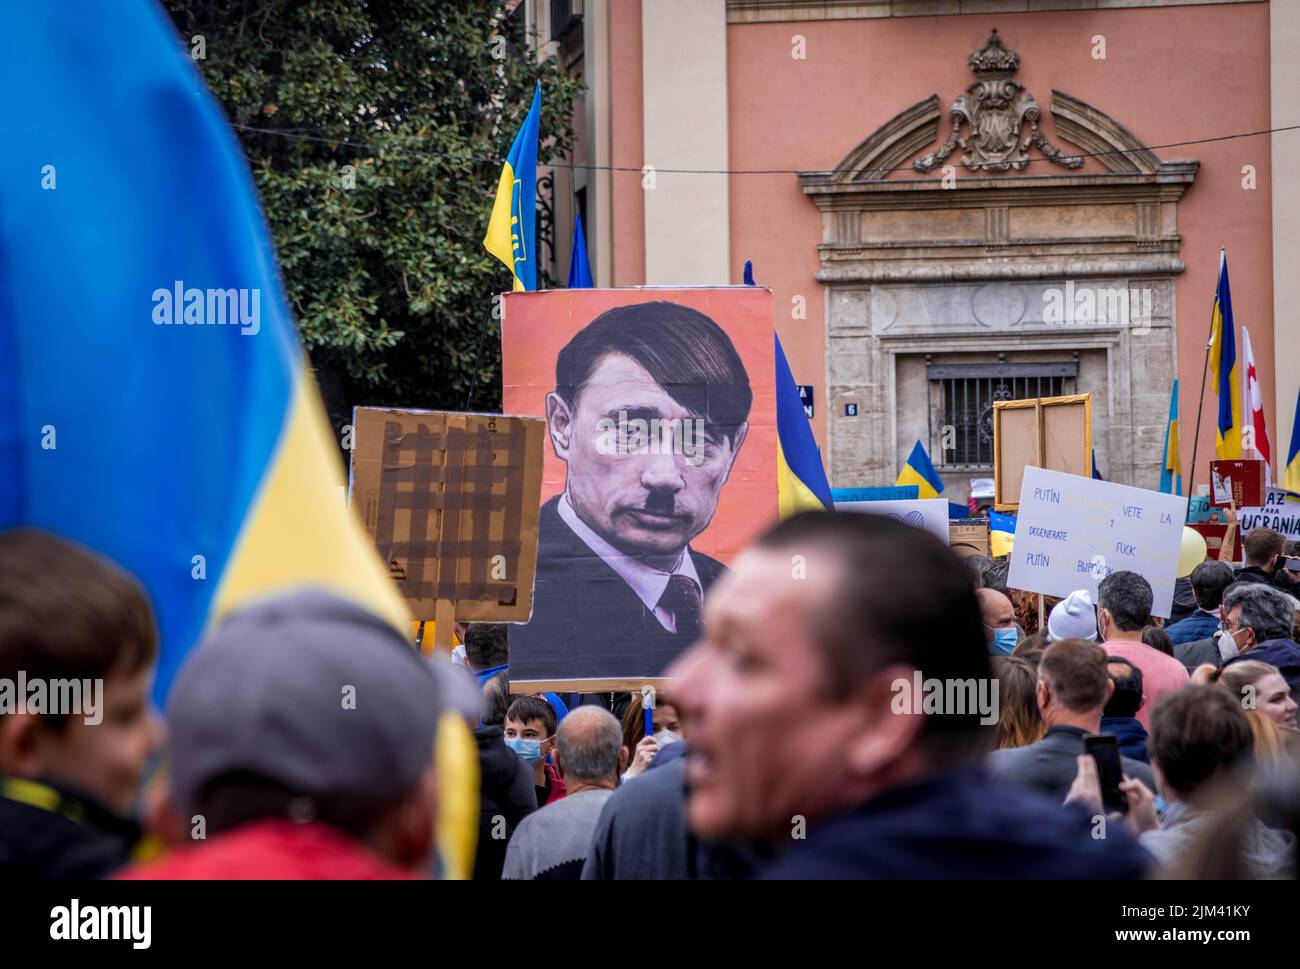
x: 1291, y: 564
x: 1104, y: 749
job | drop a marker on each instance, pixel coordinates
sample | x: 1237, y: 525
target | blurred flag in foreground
x: 158, y: 407
x: 920, y: 472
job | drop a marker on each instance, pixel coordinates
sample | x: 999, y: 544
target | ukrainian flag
x: 510, y: 234
x: 1002, y: 533
x: 1291, y: 473
x: 1223, y: 359
x: 920, y: 472
x: 1171, y: 473
x: 158, y: 406
x: 800, y: 478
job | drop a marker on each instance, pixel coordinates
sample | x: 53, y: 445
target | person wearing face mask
x: 551, y: 844
x: 666, y: 731
x: 1257, y: 623
x: 530, y: 733
x: 999, y: 618
x: 1124, y: 606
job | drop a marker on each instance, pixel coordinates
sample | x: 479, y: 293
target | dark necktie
x: 682, y: 600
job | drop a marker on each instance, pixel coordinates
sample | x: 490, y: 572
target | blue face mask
x: 529, y: 750
x: 1004, y: 641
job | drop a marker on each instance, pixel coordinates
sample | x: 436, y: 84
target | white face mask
x: 665, y: 737
x: 1227, y: 645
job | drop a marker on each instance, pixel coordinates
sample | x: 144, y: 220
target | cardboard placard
x: 1237, y: 482
x: 1073, y: 531
x: 451, y: 501
x: 1041, y: 432
x: 969, y: 536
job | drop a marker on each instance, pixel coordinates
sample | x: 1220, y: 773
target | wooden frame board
x: 1043, y: 432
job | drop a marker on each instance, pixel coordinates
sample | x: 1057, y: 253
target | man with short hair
x: 1209, y: 580
x: 290, y: 779
x: 999, y: 619
x: 1199, y: 737
x: 1257, y: 623
x: 650, y: 410
x: 1262, y: 548
x: 803, y: 735
x: 487, y: 648
x: 551, y: 844
x: 1073, y: 688
x: 1119, y: 717
x: 1124, y: 606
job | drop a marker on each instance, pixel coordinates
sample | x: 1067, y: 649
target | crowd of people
x: 302, y: 738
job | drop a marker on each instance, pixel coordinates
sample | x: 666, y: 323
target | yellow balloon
x: 1192, y: 552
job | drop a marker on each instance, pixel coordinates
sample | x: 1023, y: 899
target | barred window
x: 962, y: 397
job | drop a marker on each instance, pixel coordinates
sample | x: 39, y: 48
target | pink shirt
x: 1161, y: 674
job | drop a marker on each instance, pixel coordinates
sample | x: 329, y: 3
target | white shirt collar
x: 648, y: 584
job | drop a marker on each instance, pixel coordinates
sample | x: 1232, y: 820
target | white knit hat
x: 1073, y: 616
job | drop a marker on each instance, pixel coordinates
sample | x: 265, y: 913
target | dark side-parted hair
x: 1209, y: 580
x: 1126, y: 699
x: 685, y: 352
x: 903, y: 597
x: 1195, y: 733
x: 1127, y: 597
x: 67, y: 612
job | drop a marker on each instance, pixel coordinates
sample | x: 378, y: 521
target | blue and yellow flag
x: 800, y: 478
x: 510, y: 235
x: 1171, y: 472
x: 1291, y: 473
x: 920, y: 472
x: 1223, y: 362
x: 1002, y: 533
x: 159, y: 407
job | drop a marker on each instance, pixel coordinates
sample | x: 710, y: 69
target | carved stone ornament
x: 995, y: 109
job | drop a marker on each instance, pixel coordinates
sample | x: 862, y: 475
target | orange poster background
x: 536, y: 326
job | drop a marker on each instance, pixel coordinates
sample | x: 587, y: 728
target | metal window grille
x: 962, y: 397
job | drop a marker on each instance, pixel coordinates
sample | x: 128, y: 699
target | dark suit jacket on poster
x: 587, y: 622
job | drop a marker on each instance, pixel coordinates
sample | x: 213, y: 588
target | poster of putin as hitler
x: 659, y: 411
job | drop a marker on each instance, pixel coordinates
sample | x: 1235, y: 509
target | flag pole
x: 1200, y: 401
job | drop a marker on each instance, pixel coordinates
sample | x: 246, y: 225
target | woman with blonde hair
x: 1019, y: 723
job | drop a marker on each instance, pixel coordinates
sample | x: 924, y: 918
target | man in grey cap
x: 300, y: 745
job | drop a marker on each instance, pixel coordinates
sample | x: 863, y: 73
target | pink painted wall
x: 1171, y: 74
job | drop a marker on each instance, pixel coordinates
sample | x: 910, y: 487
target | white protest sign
x: 928, y: 513
x: 1278, y: 514
x: 1072, y: 532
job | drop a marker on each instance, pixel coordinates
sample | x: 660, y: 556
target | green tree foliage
x: 376, y: 131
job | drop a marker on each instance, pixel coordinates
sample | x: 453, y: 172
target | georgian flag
x: 1254, y: 408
